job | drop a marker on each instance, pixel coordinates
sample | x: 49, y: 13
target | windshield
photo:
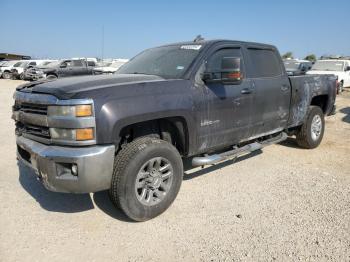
x: 53, y: 64
x: 116, y: 64
x: 291, y: 65
x: 17, y: 64
x: 46, y: 63
x: 10, y: 63
x: 21, y: 64
x: 328, y: 66
x: 166, y: 61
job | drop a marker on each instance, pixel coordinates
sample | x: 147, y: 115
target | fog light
x: 74, y: 170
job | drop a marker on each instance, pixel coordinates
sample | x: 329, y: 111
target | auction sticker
x: 191, y: 47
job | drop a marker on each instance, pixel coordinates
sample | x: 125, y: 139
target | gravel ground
x: 284, y: 204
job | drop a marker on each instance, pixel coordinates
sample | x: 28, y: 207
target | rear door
x: 79, y: 68
x: 272, y: 91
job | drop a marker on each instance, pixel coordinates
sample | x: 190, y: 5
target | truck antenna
x: 198, y: 38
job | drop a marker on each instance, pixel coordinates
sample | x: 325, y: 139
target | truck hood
x: 66, y: 88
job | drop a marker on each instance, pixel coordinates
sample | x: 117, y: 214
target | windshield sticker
x: 191, y: 47
x: 180, y: 67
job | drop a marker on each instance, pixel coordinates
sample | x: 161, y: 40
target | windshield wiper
x: 138, y: 73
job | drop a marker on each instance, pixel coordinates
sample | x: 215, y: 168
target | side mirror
x: 64, y: 65
x: 230, y: 72
x: 347, y: 68
x: 303, y: 69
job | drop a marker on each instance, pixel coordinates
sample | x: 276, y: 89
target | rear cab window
x: 264, y: 63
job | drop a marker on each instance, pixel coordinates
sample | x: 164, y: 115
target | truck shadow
x: 103, y: 202
x: 346, y: 111
x: 290, y: 142
x: 52, y: 201
x: 206, y: 170
x: 64, y: 202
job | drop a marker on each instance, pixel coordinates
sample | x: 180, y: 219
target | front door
x: 67, y: 70
x: 224, y: 110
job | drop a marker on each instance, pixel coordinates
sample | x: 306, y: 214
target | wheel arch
x: 321, y: 101
x: 173, y: 129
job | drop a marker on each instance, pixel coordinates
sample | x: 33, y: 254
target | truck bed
x: 304, y: 88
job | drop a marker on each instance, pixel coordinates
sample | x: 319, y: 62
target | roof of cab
x: 215, y: 41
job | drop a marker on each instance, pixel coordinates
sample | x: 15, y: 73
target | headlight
x: 71, y: 111
x: 80, y: 134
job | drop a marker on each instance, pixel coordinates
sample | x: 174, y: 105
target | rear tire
x: 311, y: 132
x: 146, y: 179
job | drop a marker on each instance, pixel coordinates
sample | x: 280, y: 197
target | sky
x: 121, y: 29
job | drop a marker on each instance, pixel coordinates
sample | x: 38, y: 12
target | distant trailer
x: 6, y: 56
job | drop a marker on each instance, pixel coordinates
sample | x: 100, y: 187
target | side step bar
x: 212, y: 159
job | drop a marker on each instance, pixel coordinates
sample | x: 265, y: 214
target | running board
x: 213, y: 159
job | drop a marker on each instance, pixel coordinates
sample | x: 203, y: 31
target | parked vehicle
x: 63, y: 68
x: 340, y: 68
x: 31, y: 74
x: 19, y: 70
x: 296, y: 67
x: 109, y: 67
x: 2, y: 63
x: 5, y: 69
x: 128, y: 132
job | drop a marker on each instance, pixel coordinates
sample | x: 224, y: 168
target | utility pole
x: 103, y: 41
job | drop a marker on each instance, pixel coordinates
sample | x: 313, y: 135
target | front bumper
x: 53, y: 165
x: 34, y: 76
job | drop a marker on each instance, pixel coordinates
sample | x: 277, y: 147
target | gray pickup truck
x: 128, y: 133
x: 61, y: 68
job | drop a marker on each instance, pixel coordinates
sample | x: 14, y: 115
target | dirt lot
x: 284, y: 204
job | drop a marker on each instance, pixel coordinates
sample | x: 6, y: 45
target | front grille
x: 32, y: 108
x: 40, y: 131
x: 28, y: 128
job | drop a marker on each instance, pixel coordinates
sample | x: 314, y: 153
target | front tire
x: 51, y: 77
x: 146, y: 179
x: 6, y: 75
x: 311, y: 132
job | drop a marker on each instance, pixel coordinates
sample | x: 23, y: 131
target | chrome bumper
x: 53, y: 165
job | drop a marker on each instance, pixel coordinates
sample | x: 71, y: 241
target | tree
x: 288, y: 55
x: 311, y: 58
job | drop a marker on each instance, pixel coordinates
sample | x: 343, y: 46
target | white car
x: 5, y: 69
x: 340, y: 68
x: 110, y: 67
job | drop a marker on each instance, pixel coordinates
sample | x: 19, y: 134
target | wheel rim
x: 316, y: 127
x: 154, y: 181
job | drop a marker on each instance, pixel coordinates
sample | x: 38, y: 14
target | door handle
x: 284, y: 88
x: 246, y: 91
